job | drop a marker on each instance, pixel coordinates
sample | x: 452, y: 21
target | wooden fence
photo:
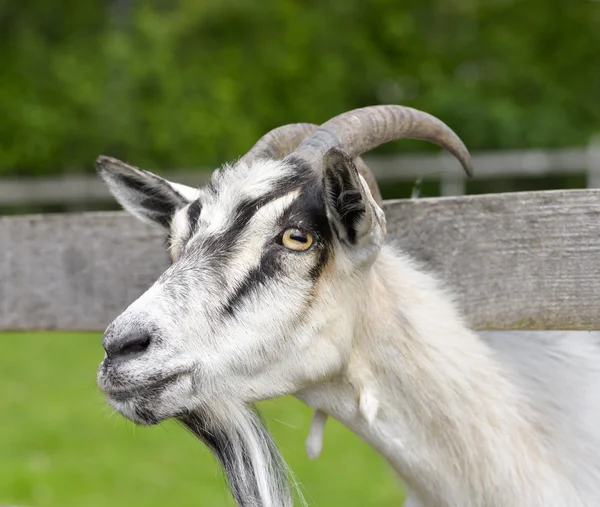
x: 526, y: 260
x: 72, y: 189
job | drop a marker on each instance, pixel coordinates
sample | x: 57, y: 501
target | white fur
x: 378, y: 344
x: 468, y: 422
x: 314, y: 441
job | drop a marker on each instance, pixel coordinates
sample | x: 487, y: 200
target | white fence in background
x: 73, y: 189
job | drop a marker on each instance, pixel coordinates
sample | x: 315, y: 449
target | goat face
x: 261, y: 298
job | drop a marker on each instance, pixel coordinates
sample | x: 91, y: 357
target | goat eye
x: 297, y: 240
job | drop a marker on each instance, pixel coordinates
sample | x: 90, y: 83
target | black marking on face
x: 307, y: 212
x: 221, y: 245
x: 267, y: 268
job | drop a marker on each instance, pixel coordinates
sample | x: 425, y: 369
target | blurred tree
x: 188, y: 83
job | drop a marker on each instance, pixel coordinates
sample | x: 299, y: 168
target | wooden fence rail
x: 70, y: 188
x: 528, y: 260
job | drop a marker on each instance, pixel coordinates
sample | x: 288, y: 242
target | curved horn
x: 361, y: 130
x: 281, y: 141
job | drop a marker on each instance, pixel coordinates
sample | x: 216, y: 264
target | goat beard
x: 256, y: 473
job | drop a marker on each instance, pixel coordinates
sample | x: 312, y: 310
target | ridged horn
x: 279, y: 142
x: 361, y: 130
x: 282, y: 141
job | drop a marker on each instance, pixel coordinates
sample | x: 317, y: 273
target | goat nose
x: 132, y: 344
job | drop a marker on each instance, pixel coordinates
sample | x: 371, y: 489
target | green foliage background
x: 191, y: 83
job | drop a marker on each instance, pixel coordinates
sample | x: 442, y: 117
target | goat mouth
x: 148, y: 390
x: 146, y: 404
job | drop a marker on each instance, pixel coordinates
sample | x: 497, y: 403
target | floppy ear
x: 145, y: 195
x: 356, y: 217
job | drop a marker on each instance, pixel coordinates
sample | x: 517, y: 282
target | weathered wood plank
x: 515, y: 261
x: 75, y: 271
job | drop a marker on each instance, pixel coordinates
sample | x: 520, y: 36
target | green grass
x: 60, y: 446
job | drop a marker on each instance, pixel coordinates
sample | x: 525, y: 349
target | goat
x: 282, y: 283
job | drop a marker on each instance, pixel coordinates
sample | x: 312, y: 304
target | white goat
x: 281, y: 284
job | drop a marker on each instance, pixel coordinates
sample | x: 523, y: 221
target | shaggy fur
x: 255, y: 470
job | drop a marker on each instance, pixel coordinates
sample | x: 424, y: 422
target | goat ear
x: 356, y: 216
x: 145, y: 195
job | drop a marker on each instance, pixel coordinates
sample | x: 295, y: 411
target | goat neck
x: 429, y: 395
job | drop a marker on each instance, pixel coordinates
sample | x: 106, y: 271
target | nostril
x: 133, y: 343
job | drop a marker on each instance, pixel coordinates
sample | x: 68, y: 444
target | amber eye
x: 295, y: 239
